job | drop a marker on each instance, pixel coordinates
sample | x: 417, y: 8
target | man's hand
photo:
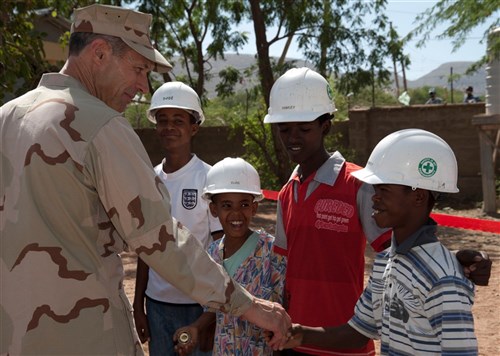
x: 476, y: 265
x: 270, y: 316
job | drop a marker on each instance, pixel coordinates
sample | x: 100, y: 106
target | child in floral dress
x: 233, y: 189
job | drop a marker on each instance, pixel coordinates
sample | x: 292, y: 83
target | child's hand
x: 294, y: 338
x: 141, y: 324
x: 186, y: 340
x: 476, y: 265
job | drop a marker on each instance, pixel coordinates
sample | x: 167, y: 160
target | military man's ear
x: 99, y: 49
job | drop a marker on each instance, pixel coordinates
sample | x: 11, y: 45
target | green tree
x: 21, y: 48
x: 460, y: 17
x: 395, y: 51
x: 342, y: 37
x: 182, y: 28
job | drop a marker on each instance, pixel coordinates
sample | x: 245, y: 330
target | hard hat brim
x: 258, y: 196
x: 367, y: 176
x: 293, y: 117
x: 151, y: 113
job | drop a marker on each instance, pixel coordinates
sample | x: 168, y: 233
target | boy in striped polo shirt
x: 418, y: 300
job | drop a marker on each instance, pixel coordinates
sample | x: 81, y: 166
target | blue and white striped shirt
x: 417, y: 300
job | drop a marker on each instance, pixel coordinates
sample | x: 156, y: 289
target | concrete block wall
x: 211, y: 144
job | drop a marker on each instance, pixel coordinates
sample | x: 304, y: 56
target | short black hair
x: 325, y: 117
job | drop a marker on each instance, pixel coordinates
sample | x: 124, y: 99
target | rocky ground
x: 486, y: 310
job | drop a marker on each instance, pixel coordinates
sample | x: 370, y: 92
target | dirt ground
x: 486, y: 311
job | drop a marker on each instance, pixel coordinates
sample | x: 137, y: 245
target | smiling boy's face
x: 401, y: 208
x: 235, y: 212
x: 303, y: 141
x: 392, y: 205
x: 175, y: 128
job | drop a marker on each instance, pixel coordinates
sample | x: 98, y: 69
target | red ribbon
x: 455, y: 221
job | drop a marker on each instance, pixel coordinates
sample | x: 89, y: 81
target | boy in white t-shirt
x: 176, y: 111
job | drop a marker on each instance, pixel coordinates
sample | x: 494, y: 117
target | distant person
x: 469, y: 96
x: 418, y: 300
x: 176, y: 111
x: 433, y: 99
x: 233, y: 190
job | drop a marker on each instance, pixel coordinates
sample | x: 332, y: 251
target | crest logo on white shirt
x: 189, y: 198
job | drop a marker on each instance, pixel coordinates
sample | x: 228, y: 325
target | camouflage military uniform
x: 77, y: 188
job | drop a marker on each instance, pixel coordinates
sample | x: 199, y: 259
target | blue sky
x: 402, y: 14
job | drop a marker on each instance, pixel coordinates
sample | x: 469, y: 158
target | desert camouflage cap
x: 131, y: 26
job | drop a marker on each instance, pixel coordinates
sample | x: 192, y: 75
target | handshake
x: 267, y: 315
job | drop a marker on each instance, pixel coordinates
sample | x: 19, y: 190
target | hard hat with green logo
x: 299, y: 95
x: 412, y: 157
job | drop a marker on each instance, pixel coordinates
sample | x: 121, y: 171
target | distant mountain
x: 239, y: 61
x: 439, y: 78
x: 435, y: 78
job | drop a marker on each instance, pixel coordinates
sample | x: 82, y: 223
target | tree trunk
x: 403, y: 67
x: 324, y: 44
x: 396, y: 79
x: 282, y: 167
x: 285, y: 50
x: 200, y: 82
x: 451, y: 84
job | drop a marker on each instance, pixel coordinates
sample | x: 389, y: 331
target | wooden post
x: 487, y: 145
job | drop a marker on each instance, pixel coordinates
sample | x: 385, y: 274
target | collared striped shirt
x: 417, y: 300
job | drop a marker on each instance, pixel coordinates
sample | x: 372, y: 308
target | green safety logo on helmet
x: 427, y: 167
x: 329, y: 92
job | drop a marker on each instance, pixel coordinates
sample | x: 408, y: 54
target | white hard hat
x: 412, y: 157
x: 176, y: 95
x: 232, y: 175
x: 299, y: 95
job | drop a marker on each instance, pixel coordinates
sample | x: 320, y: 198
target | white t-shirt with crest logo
x: 185, y: 187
